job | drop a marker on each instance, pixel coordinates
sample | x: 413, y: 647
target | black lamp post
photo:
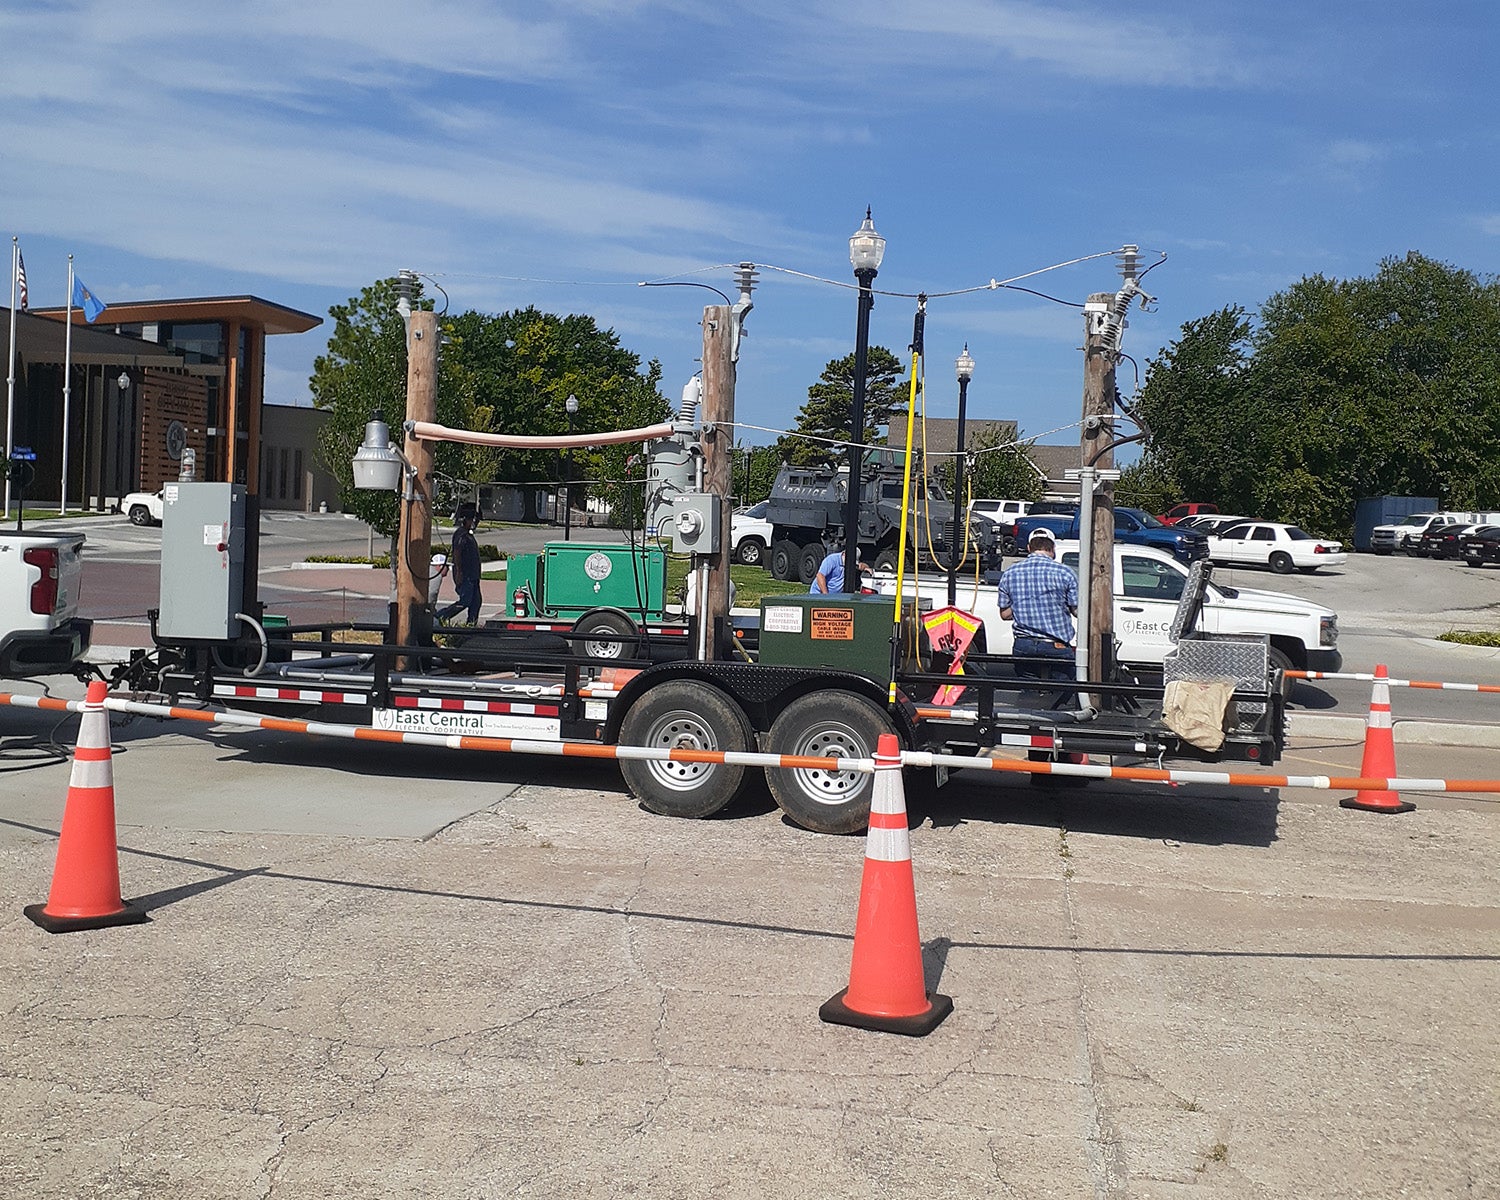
x: 571, y: 405
x: 866, y: 250
x: 964, y: 369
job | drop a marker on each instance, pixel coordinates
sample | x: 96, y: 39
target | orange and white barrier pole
x: 908, y: 758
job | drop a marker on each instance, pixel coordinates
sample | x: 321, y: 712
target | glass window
x: 1296, y: 535
x: 1148, y: 579
x: 1262, y: 533
x: 296, y: 474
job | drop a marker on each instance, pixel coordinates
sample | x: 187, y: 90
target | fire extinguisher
x: 518, y: 602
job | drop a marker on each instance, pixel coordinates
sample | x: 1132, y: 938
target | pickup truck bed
x: 40, y: 577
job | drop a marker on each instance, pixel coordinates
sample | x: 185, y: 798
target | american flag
x: 21, y: 279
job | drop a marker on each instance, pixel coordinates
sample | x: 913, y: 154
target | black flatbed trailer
x: 521, y: 685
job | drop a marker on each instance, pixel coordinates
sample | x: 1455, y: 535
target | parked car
x: 1481, y: 546
x: 1444, y: 541
x: 1191, y: 508
x: 143, y: 508
x: 1001, y: 511
x: 1406, y: 533
x: 1283, y: 548
x: 750, y: 534
x: 1210, y: 523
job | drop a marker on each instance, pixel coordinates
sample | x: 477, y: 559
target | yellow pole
x: 911, y: 413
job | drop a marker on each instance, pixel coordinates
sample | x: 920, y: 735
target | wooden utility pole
x: 414, y: 541
x: 718, y: 450
x: 1098, y: 432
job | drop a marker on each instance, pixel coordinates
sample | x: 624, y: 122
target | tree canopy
x: 1339, y: 390
x: 510, y: 373
x: 824, y: 422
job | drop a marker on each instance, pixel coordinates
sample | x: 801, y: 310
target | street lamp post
x: 866, y: 250
x: 123, y: 382
x: 571, y: 405
x: 964, y: 369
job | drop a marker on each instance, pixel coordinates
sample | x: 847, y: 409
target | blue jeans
x: 468, y: 597
x: 1034, y: 647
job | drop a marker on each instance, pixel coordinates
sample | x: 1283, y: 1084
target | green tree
x: 525, y: 365
x: 997, y: 469
x: 364, y: 371
x: 506, y: 373
x: 1196, y: 403
x: 824, y: 422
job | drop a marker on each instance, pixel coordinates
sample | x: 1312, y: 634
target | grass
x: 1471, y: 637
x: 51, y: 514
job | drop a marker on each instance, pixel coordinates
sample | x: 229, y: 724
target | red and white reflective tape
x: 456, y: 704
x: 1406, y: 683
x: 241, y: 691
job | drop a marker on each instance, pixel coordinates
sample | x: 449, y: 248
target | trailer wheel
x: 611, y: 626
x: 784, y: 556
x: 826, y: 725
x: 811, y: 559
x: 684, y: 715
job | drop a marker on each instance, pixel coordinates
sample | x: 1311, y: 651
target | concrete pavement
x: 401, y: 972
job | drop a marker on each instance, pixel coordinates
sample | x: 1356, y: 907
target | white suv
x: 750, y: 535
x: 1407, y: 532
x: 143, y: 508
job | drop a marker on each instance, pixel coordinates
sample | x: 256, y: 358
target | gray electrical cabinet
x: 202, y: 560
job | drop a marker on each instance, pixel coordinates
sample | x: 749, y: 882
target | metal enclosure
x: 202, y: 560
x: 844, y: 631
x: 695, y: 523
x: 578, y: 576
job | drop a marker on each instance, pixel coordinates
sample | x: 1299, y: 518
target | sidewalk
x: 376, y: 971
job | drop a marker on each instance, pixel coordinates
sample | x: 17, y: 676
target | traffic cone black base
x: 1399, y: 806
x: 128, y: 914
x: 836, y: 1012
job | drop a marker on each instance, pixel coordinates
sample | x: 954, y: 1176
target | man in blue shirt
x: 1040, y: 597
x: 830, y: 576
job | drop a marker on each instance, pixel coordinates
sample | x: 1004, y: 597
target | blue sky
x: 557, y: 154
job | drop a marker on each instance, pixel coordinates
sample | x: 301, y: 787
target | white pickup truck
x: 1148, y: 585
x: 41, y: 632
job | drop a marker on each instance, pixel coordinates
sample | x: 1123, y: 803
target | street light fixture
x: 571, y: 406
x: 964, y: 369
x: 866, y: 251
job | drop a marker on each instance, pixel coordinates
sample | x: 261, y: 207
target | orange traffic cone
x: 1379, y: 761
x: 887, y: 989
x: 86, y: 879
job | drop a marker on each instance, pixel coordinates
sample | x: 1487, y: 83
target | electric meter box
x: 202, y: 561
x: 695, y: 519
x: 848, y: 632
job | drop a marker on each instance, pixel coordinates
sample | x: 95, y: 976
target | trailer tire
x: 612, y: 625
x: 683, y: 714
x: 826, y: 725
x: 811, y: 559
x: 784, y: 556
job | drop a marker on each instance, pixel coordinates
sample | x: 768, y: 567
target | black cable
x: 1030, y: 292
x: 705, y: 286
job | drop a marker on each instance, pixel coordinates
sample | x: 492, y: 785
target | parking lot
x: 407, y: 972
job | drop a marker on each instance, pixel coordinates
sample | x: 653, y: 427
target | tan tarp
x: 1197, y: 710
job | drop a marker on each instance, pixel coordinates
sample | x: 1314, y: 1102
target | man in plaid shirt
x: 1040, y: 597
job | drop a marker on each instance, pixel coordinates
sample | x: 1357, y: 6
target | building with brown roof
x: 221, y: 341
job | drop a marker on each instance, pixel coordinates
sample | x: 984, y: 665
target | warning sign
x: 832, y: 625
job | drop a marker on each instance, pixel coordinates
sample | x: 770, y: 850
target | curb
x: 1415, y: 733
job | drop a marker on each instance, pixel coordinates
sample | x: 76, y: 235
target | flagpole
x: 10, y: 370
x: 67, y: 391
